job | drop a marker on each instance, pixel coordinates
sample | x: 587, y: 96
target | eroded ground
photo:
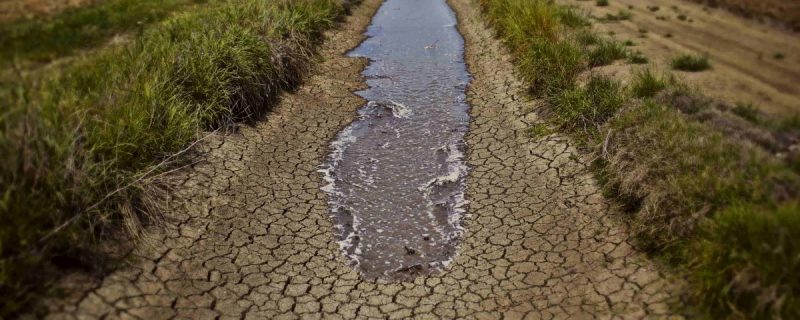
x: 742, y: 52
x: 250, y: 237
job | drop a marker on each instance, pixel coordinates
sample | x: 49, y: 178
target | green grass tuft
x: 691, y: 63
x: 748, y: 112
x: 606, y: 52
x: 646, y: 83
x: 620, y: 16
x: 584, y: 109
x: 637, y: 58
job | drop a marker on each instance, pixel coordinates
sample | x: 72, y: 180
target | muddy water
x: 396, y: 174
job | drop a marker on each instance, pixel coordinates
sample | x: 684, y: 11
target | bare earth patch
x: 775, y: 11
x: 750, y: 62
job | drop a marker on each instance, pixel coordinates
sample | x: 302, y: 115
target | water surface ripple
x: 396, y: 174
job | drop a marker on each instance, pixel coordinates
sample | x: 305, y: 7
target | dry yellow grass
x: 742, y: 52
x: 779, y: 11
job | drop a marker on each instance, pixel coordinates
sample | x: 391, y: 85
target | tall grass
x: 718, y: 208
x: 77, y: 141
x: 47, y: 38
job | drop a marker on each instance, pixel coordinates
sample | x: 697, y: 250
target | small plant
x: 587, y: 38
x: 668, y: 35
x: 747, y: 111
x: 629, y: 43
x: 692, y: 63
x: 682, y: 17
x: 637, y: 58
x: 539, y: 130
x: 653, y: 8
x: 779, y: 56
x: 621, y: 15
x: 602, y: 3
x: 647, y: 83
x: 570, y: 17
x: 585, y: 108
x: 606, y: 52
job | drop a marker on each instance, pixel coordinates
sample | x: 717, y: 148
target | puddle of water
x: 396, y: 174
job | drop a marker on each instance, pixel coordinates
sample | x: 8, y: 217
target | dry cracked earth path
x: 249, y: 234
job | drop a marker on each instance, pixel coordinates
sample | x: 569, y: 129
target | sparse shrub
x: 653, y: 8
x: 606, y: 52
x: 682, y: 17
x: 629, y: 43
x: 778, y: 56
x: 692, y: 63
x: 668, y: 35
x: 602, y: 3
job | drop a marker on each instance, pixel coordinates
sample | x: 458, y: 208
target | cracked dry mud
x: 250, y: 236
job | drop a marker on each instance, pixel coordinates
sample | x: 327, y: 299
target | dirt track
x: 744, y: 69
x: 250, y: 235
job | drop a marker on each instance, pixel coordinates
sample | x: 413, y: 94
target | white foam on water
x: 400, y: 110
x: 344, y: 139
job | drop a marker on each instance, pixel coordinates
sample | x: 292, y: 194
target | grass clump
x: 583, y: 109
x: 570, y: 17
x: 637, y: 58
x: 47, y: 38
x: 620, y: 16
x: 647, y: 83
x: 539, y: 130
x: 82, y: 140
x: 683, y: 171
x: 602, y: 3
x: 691, y: 63
x: 749, y: 259
x: 606, y: 52
x: 747, y: 111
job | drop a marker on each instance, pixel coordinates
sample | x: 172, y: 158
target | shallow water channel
x: 396, y: 174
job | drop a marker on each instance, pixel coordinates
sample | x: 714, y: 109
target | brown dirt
x: 741, y: 51
x: 11, y: 10
x: 780, y: 12
x: 250, y: 236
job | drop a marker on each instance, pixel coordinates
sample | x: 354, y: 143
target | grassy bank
x: 46, y: 38
x: 80, y: 142
x: 717, y: 207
